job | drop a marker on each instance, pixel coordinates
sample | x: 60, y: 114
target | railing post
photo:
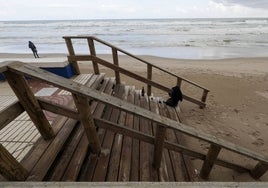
x: 93, y: 53
x: 212, y: 155
x: 10, y: 168
x: 179, y: 80
x: 159, y: 145
x: 86, y: 118
x: 30, y: 103
x: 149, y: 77
x: 70, y: 48
x: 116, y: 62
x: 259, y: 170
x: 204, y: 97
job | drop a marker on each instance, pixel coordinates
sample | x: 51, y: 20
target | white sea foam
x: 249, y: 37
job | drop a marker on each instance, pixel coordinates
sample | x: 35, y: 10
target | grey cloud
x: 248, y: 3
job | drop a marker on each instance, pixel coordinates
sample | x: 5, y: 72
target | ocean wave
x: 137, y: 34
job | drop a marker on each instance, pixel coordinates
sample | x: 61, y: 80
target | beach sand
x: 237, y: 104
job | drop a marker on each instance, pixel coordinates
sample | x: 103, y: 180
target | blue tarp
x: 66, y: 71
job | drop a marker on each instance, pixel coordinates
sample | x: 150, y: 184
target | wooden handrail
x: 137, y: 58
x: 128, y: 73
x: 82, y: 93
x: 78, y: 89
x: 179, y: 79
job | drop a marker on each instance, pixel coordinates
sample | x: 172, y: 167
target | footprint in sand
x: 256, y: 134
x: 258, y: 142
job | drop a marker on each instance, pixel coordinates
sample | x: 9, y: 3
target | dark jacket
x: 175, y: 96
x: 32, y: 46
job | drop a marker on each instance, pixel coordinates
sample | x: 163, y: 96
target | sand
x: 237, y: 104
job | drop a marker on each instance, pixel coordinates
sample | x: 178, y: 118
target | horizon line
x: 85, y: 19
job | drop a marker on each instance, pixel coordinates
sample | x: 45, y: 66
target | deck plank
x: 103, y: 161
x: 61, y: 164
x: 77, y: 159
x: 126, y: 154
x: 166, y: 153
x: 135, y: 162
x: 40, y: 169
x: 146, y: 149
x: 91, y: 161
x: 114, y: 162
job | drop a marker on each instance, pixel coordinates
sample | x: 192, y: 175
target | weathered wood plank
x: 126, y: 154
x: 116, y: 62
x: 10, y: 113
x: 70, y: 48
x: 167, y: 163
x: 159, y: 145
x: 10, y: 168
x: 115, y: 155
x: 30, y: 104
x: 93, y: 53
x: 114, y: 163
x: 41, y: 168
x: 154, y: 108
x: 146, y: 149
x: 86, y: 118
x: 77, y: 160
x: 259, y: 170
x: 135, y: 162
x: 182, y: 164
x: 87, y: 171
x: 57, y: 108
x: 30, y: 160
x: 149, y: 77
x: 102, y: 162
x: 61, y: 164
x: 212, y: 155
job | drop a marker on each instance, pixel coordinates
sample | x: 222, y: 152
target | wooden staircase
x: 109, y: 131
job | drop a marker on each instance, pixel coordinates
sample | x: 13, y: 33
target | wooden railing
x: 15, y: 74
x: 74, y: 57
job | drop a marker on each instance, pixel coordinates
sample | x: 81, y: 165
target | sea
x: 173, y: 38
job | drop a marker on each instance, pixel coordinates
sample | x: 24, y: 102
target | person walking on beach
x: 33, y: 48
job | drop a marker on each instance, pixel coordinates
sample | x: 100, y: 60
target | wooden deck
x: 105, y: 130
x: 122, y: 158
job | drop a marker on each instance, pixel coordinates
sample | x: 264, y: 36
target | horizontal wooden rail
x: 132, y: 75
x: 115, y: 50
x: 135, y: 57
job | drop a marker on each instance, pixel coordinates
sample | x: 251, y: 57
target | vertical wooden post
x: 30, y: 103
x: 159, y: 145
x: 93, y: 53
x: 87, y: 121
x: 116, y: 62
x: 212, y: 155
x: 70, y: 48
x: 149, y: 77
x: 10, y: 168
x: 259, y: 170
x: 204, y: 97
x: 179, y: 80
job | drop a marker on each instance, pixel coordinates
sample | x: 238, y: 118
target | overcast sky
x: 129, y: 9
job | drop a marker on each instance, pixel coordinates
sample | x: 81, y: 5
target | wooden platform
x: 67, y: 158
x: 126, y: 136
